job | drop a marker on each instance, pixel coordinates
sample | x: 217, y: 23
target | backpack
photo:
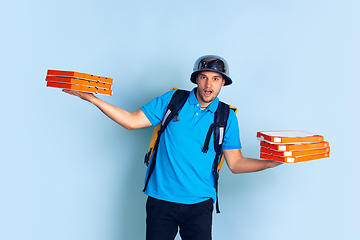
x: 218, y: 127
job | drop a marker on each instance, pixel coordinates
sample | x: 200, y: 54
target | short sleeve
x: 232, y: 133
x: 155, y: 109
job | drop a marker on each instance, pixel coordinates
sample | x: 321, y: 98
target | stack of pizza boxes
x: 79, y: 82
x: 292, y: 146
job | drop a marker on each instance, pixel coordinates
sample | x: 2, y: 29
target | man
x: 181, y: 189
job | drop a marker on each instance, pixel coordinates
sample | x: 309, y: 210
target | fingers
x: 71, y: 92
x: 83, y: 95
x: 275, y: 163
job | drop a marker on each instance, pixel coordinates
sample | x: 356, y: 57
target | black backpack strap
x: 172, y: 112
x: 218, y: 127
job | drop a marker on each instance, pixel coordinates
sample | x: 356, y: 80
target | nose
x: 207, y: 83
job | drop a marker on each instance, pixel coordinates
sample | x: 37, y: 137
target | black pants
x: 164, y: 218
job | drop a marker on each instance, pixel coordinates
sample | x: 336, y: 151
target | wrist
x: 92, y: 98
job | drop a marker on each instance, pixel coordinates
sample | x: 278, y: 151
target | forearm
x: 247, y: 165
x: 124, y: 118
x: 240, y: 164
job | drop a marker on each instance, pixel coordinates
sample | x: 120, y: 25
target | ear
x: 196, y: 78
x: 223, y: 82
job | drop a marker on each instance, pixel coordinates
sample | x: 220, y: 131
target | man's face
x: 209, y: 85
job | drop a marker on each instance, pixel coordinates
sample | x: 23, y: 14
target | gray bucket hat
x: 211, y: 63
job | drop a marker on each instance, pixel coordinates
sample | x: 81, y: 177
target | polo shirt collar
x: 193, y: 100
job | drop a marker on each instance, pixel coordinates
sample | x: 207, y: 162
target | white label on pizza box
x: 282, y: 148
x: 287, y: 154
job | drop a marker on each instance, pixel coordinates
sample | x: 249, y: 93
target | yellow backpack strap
x: 151, y: 145
x: 222, y: 158
x: 176, y: 103
x: 153, y: 140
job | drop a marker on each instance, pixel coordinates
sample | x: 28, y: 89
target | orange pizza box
x: 294, y: 147
x: 294, y: 153
x: 79, y: 75
x: 293, y: 159
x: 104, y: 91
x: 104, y: 85
x: 71, y: 80
x: 289, y: 137
x: 78, y: 88
x: 78, y: 81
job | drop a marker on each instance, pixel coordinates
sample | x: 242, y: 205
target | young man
x: 181, y: 189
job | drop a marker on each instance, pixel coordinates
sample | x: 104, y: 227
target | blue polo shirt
x: 183, y: 173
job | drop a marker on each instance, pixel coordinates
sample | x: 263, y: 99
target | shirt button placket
x: 196, y: 115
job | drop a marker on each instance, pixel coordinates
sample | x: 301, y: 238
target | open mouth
x: 207, y: 92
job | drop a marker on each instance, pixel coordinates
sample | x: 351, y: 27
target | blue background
x: 68, y: 172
